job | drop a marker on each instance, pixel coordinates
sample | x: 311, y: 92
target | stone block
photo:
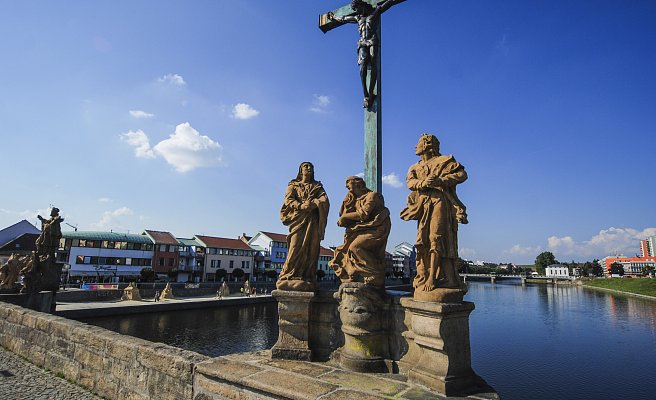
x: 173, y: 362
x: 208, y: 389
x: 29, y: 320
x: 61, y: 327
x: 289, y: 385
x: 121, y: 349
x: 88, y: 336
x: 221, y: 368
x: 163, y: 386
x: 106, y: 386
x: 44, y: 321
x: 300, y: 367
x: 350, y: 395
x: 365, y: 382
x: 16, y: 316
x: 125, y: 393
x: 86, y: 377
x: 89, y: 359
x: 293, y: 324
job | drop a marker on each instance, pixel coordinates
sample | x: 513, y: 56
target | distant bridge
x: 524, y: 278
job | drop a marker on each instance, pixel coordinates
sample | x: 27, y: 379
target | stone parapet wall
x: 112, y: 365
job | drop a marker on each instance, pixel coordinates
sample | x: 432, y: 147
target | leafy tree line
x: 546, y: 258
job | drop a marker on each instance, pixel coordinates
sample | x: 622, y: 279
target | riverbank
x: 642, y: 287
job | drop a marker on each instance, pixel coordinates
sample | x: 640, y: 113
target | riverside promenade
x: 124, y: 307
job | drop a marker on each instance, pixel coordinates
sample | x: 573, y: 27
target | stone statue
x: 131, y: 292
x: 304, y: 211
x: 167, y: 293
x: 48, y: 241
x: 247, y: 288
x: 362, y: 256
x: 434, y: 204
x: 41, y: 271
x: 10, y: 270
x: 368, y: 19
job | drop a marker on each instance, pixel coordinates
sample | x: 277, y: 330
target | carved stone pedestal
x: 363, y: 312
x: 293, y: 325
x: 131, y: 293
x: 442, y: 357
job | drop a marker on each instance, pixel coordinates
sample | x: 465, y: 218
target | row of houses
x: 115, y: 256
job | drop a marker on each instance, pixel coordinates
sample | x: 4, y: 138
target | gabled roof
x: 160, y: 237
x: 326, y: 252
x: 224, y: 243
x: 16, y: 230
x: 109, y: 236
x: 278, y: 237
x: 24, y: 243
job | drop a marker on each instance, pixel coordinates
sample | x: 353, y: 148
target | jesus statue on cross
x: 368, y: 19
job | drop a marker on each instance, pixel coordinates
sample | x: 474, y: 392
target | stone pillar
x: 442, y: 360
x: 363, y: 313
x: 293, y: 325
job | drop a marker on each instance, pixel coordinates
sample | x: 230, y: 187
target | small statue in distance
x: 305, y: 212
x: 42, y: 272
x: 434, y: 203
x: 362, y: 256
x: 9, y: 271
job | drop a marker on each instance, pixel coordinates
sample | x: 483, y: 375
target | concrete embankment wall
x: 112, y: 365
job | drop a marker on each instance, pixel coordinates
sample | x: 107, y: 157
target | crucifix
x: 366, y: 13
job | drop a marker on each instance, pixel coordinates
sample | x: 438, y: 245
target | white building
x: 105, y: 255
x: 557, y: 271
x: 226, y: 254
x: 325, y: 255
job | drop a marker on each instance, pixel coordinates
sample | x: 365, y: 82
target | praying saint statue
x: 362, y: 256
x: 368, y: 19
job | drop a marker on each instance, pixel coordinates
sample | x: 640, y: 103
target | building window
x: 232, y: 263
x: 171, y: 262
x: 161, y: 262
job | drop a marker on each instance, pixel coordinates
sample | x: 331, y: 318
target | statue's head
x: 361, y: 7
x: 356, y: 184
x: 306, y: 168
x: 54, y: 212
x: 428, y: 143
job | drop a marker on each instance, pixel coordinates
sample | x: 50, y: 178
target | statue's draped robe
x: 437, y: 211
x: 306, y: 229
x: 362, y: 256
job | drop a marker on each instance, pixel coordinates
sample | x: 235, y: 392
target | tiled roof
x: 160, y: 237
x: 24, y: 243
x: 326, y: 252
x: 225, y: 243
x: 278, y: 237
x: 110, y: 236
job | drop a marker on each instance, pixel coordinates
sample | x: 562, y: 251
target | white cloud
x: 186, y: 149
x: 32, y: 215
x: 244, y: 111
x: 110, y: 219
x: 466, y: 253
x: 392, y: 180
x: 172, y: 79
x: 140, y: 114
x: 607, y: 242
x: 139, y: 140
x: 518, y: 250
x: 320, y: 103
x: 104, y: 200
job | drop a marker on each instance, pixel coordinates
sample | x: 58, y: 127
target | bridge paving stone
x: 21, y: 380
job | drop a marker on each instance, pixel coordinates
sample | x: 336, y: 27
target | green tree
x: 617, y: 269
x: 147, y: 275
x: 271, y: 273
x: 543, y: 260
x: 597, y: 270
x: 238, y: 273
x: 221, y: 274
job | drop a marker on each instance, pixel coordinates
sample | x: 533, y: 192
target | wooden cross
x: 369, y: 60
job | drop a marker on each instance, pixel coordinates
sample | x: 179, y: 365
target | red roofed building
x: 325, y: 255
x: 166, y: 255
x: 226, y: 254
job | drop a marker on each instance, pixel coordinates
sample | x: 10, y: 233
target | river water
x: 531, y: 342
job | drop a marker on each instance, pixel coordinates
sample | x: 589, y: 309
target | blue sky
x: 192, y: 116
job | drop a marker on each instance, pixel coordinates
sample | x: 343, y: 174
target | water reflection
x: 213, y: 332
x: 529, y: 342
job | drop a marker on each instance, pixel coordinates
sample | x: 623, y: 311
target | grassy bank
x: 644, y: 286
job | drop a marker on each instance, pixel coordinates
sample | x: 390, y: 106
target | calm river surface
x: 533, y: 342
